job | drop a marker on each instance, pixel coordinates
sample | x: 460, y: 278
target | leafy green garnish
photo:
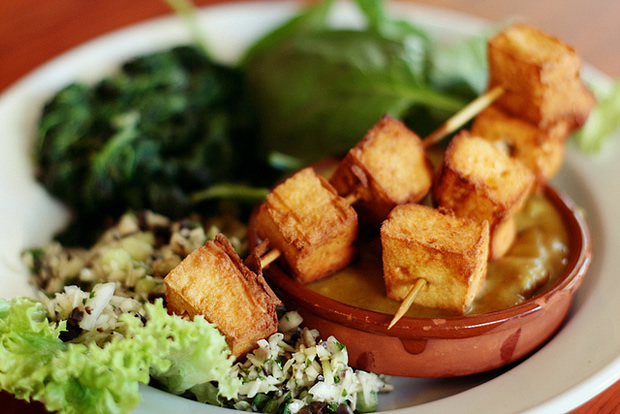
x: 311, y: 19
x: 603, y: 121
x: 231, y: 191
x: 69, y: 378
x: 390, y: 28
x: 184, y: 353
x: 74, y: 378
x: 318, y: 91
x: 187, y: 12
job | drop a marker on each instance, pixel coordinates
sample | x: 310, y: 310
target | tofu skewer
x: 534, y: 77
x: 386, y: 168
x: 535, y: 99
x: 273, y: 255
x: 305, y: 221
x: 434, y: 257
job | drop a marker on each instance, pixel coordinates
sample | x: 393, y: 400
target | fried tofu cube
x: 542, y: 151
x: 450, y: 253
x: 313, y: 227
x: 478, y: 180
x: 502, y: 238
x: 386, y: 168
x: 540, y: 76
x: 213, y: 281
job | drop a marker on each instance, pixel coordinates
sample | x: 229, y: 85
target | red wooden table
x: 34, y: 31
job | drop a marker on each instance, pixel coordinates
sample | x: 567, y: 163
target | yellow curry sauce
x: 533, y: 263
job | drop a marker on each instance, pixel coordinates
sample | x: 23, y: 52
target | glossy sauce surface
x: 533, y: 263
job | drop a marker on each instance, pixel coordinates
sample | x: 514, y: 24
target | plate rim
x: 587, y: 387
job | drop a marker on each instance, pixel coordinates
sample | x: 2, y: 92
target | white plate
x: 579, y: 362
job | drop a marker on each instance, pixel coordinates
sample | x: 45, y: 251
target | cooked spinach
x: 166, y: 125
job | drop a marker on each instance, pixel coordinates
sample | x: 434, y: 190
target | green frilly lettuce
x: 75, y: 378
x: 184, y: 353
x: 69, y: 378
x: 603, y: 121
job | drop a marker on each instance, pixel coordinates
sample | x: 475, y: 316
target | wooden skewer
x: 352, y: 198
x: 461, y: 117
x: 408, y: 301
x: 269, y: 257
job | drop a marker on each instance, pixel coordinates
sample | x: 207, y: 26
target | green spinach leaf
x: 318, y: 93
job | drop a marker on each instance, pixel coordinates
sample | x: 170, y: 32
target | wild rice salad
x: 291, y: 371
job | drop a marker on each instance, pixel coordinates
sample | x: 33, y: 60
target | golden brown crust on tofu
x: 542, y: 151
x: 479, y: 181
x: 313, y: 227
x: 504, y: 234
x: 540, y: 76
x: 386, y: 168
x: 213, y: 281
x: 450, y: 253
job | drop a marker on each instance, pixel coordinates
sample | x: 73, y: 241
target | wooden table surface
x: 34, y: 31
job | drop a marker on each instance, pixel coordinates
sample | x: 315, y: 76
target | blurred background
x: 33, y: 31
x: 590, y: 26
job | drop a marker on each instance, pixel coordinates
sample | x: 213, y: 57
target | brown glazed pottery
x: 450, y: 346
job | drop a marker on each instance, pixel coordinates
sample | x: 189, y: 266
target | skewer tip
x: 407, y: 302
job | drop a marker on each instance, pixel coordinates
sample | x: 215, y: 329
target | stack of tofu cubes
x: 484, y: 179
x: 544, y: 99
x: 513, y: 148
x: 309, y: 218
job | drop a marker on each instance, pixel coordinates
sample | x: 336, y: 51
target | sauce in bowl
x: 535, y: 261
x: 525, y: 300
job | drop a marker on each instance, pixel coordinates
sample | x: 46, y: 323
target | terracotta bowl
x: 450, y: 346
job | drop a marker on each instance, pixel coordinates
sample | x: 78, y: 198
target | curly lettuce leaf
x: 69, y: 378
x: 184, y: 353
x: 35, y: 365
x: 603, y: 121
